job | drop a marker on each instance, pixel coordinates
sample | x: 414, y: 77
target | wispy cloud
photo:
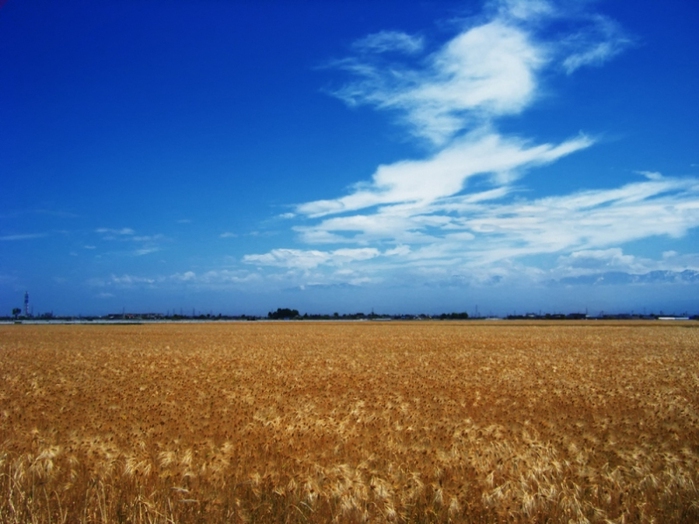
x: 46, y: 212
x: 594, y: 45
x: 145, y: 251
x: 453, y: 97
x: 446, y: 173
x: 207, y: 279
x: 582, y: 220
x: 26, y: 236
x: 124, y: 231
x: 148, y: 238
x: 389, y: 41
x: 651, y: 175
x: 147, y: 244
x: 488, y: 70
x: 127, y: 281
x: 464, y: 211
x: 523, y: 10
x: 478, y: 232
x: 307, y: 259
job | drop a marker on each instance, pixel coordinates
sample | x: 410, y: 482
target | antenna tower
x: 26, y: 303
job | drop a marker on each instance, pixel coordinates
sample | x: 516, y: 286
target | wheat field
x: 350, y: 422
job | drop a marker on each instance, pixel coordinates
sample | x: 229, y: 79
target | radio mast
x: 26, y: 303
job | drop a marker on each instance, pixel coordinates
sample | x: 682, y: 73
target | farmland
x: 350, y: 422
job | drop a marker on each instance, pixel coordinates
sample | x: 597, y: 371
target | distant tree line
x: 294, y: 314
x: 453, y: 316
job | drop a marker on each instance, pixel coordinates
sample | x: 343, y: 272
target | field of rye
x: 350, y: 422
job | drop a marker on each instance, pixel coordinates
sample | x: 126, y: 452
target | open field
x: 350, y: 422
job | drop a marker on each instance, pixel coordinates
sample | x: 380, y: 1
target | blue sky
x: 236, y: 157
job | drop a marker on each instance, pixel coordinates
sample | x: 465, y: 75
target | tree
x: 16, y: 311
x: 283, y: 313
x: 454, y: 316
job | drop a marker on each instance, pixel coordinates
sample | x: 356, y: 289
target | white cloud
x: 445, y: 173
x: 463, y: 212
x: 308, y: 259
x: 489, y: 70
x: 484, y: 72
x: 598, y: 43
x: 651, y: 175
x: 187, y: 276
x: 144, y: 244
x: 480, y: 231
x: 585, y: 220
x: 125, y: 231
x: 145, y: 251
x: 212, y: 279
x: 398, y: 251
x: 598, y: 259
x: 289, y: 258
x: 453, y: 97
x: 221, y: 277
x: 147, y: 238
x: 525, y: 9
x: 130, y: 280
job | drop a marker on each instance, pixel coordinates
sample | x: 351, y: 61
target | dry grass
x: 301, y: 422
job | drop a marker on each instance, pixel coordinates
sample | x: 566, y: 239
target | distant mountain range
x: 687, y: 276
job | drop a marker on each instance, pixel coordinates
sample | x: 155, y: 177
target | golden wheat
x: 350, y: 422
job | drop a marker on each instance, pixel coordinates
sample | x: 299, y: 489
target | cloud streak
x: 445, y: 173
x: 463, y: 210
x: 147, y: 243
x: 601, y: 41
x: 308, y: 259
x: 454, y: 95
x: 124, y: 231
x: 26, y: 236
x: 389, y: 41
